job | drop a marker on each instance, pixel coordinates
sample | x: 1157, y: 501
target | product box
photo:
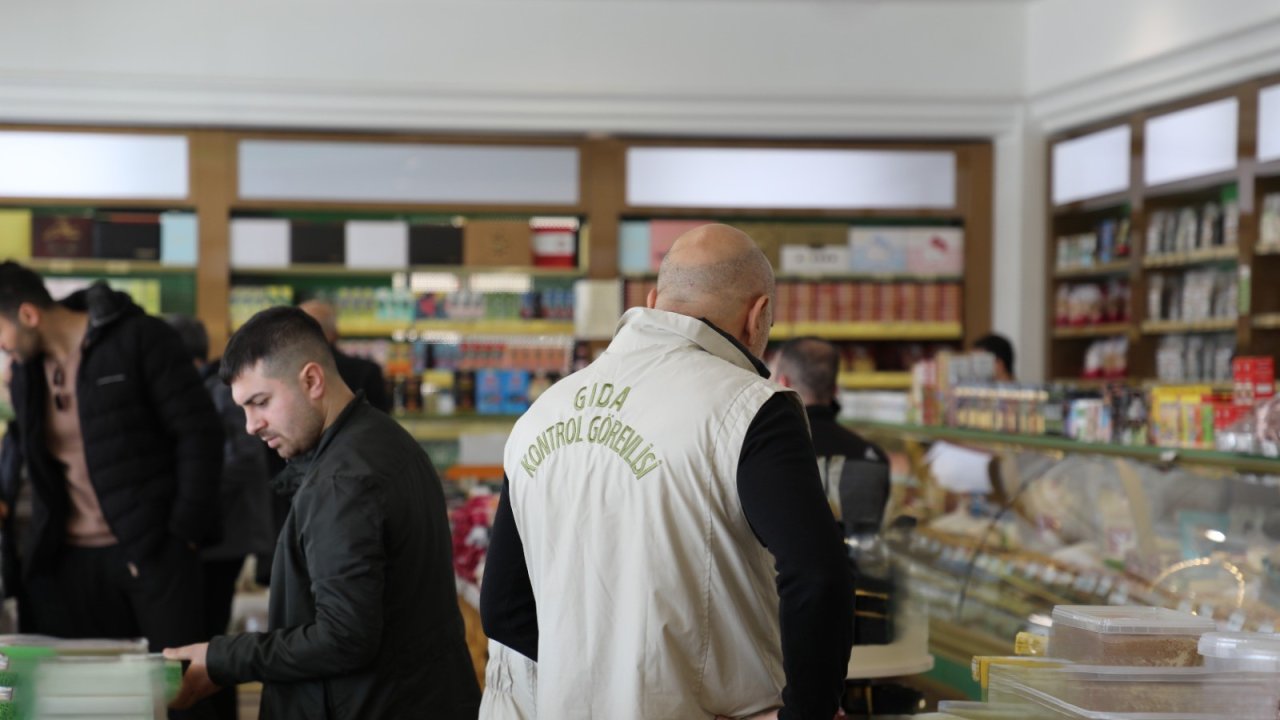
x: 814, y: 259
x: 179, y: 238
x: 633, y: 247
x: 951, y: 303
x: 61, y: 237
x: 497, y: 243
x: 515, y: 392
x: 663, y: 233
x: 936, y: 251
x: 1254, y: 379
x: 909, y: 305
x: 555, y: 246
x: 259, y: 243
x: 127, y: 236
x: 879, y: 250
x: 846, y: 302
x: 317, y: 242
x: 803, y: 302
x: 866, y: 302
x: 489, y: 390
x: 825, y: 302
x: 376, y: 243
x: 1127, y: 636
x: 887, y: 304
x: 431, y: 244
x: 770, y: 237
x: 15, y: 234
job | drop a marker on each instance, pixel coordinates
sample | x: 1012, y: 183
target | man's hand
x: 196, y: 684
x: 766, y: 715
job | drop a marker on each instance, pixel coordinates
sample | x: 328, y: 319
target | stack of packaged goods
x: 51, y: 678
x: 1108, y: 242
x: 1130, y: 662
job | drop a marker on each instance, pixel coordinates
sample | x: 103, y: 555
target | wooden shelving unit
x: 1092, y: 331
x: 874, y: 381
x: 1246, y: 184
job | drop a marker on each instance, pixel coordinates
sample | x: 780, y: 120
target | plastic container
x: 1099, y: 689
x: 1241, y: 652
x: 1127, y: 636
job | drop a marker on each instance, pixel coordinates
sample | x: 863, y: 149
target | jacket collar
x: 290, y: 479
x: 645, y: 321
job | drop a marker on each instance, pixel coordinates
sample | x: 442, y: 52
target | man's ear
x: 783, y: 380
x: 651, y: 301
x: 312, y: 379
x: 757, y: 329
x: 29, y: 315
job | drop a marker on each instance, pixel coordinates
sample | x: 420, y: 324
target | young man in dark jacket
x: 364, y: 621
x: 124, y: 451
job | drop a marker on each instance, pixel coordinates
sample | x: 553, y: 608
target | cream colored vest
x: 655, y: 599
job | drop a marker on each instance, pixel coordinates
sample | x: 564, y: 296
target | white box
x: 814, y: 259
x: 259, y: 243
x: 377, y: 244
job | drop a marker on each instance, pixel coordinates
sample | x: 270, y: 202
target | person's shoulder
x: 855, y: 446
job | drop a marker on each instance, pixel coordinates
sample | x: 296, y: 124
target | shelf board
x: 459, y: 327
x: 870, y: 331
x: 874, y: 381
x: 1267, y: 250
x: 1192, y: 185
x: 1268, y: 169
x: 184, y: 204
x: 1267, y: 321
x: 428, y: 428
x: 1118, y: 267
x: 835, y: 215
x: 1167, y: 327
x: 335, y: 270
x: 1207, y: 458
x: 95, y: 266
x: 1089, y: 331
x: 835, y: 277
x: 1192, y: 257
x: 337, y: 207
x: 1091, y: 383
x: 1109, y: 201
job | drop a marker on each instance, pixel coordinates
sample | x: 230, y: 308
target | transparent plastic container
x: 1100, y: 689
x: 1241, y: 652
x: 1127, y: 636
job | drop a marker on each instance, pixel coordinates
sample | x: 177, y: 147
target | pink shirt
x: 86, y: 526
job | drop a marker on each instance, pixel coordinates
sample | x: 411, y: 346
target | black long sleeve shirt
x: 782, y: 498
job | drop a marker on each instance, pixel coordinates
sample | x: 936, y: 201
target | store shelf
x: 875, y: 381
x: 1267, y: 250
x: 869, y: 331
x: 1094, y: 204
x: 1119, y: 267
x: 1090, y: 331
x: 1167, y: 327
x: 1267, y: 321
x: 336, y: 270
x: 825, y: 214
x: 436, y: 428
x: 459, y: 327
x: 1268, y: 169
x: 1195, y: 185
x: 1207, y: 458
x: 94, y: 266
x: 1193, y: 257
x: 836, y: 277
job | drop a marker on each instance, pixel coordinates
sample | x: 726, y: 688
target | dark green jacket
x: 364, y: 621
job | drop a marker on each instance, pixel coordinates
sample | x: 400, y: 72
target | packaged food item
x: 1241, y: 651
x: 1127, y: 636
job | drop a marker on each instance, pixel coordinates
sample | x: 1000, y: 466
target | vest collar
x: 645, y: 321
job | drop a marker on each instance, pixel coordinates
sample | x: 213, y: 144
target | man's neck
x: 334, y: 403
x: 62, y: 332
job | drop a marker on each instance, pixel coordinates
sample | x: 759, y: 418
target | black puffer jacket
x: 152, y: 439
x: 364, y: 612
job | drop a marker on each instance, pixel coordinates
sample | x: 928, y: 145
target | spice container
x: 1127, y: 636
x: 1241, y: 652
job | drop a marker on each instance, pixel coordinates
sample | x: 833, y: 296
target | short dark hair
x: 194, y: 337
x: 999, y: 346
x: 20, y: 284
x: 278, y: 335
x: 813, y: 364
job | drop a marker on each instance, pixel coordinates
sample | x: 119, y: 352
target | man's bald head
x: 324, y: 314
x: 715, y: 272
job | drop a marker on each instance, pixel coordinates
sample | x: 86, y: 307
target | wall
x: 698, y: 66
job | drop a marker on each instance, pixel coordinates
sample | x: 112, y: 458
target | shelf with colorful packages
x: 149, y: 254
x: 1030, y: 496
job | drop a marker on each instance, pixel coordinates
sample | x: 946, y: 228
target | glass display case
x: 1007, y: 527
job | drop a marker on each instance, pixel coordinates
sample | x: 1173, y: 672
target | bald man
x: 663, y: 547
x: 358, y: 373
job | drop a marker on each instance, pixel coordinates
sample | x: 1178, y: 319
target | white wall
x: 790, y: 67
x: 1090, y: 59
